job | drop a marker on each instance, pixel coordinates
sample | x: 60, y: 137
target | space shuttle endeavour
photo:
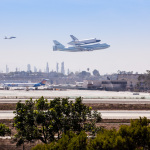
x: 75, y: 41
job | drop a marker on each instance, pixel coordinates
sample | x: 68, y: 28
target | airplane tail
x: 74, y: 38
x: 43, y: 82
x: 57, y: 46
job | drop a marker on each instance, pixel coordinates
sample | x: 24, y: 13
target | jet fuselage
x: 6, y: 85
x: 82, y: 48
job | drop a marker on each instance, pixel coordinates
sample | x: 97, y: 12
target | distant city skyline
x: 123, y: 24
x: 30, y: 67
x: 62, y: 69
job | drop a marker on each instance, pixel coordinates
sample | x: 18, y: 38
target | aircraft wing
x: 83, y: 48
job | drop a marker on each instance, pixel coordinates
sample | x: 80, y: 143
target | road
x: 106, y: 114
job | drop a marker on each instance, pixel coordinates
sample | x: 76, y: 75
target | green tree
x: 43, y: 120
x: 24, y: 122
x: 4, y: 130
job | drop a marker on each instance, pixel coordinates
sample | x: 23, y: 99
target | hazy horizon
x: 124, y: 25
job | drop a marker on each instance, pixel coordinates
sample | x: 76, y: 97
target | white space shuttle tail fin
x: 74, y: 38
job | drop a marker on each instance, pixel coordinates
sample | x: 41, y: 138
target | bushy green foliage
x: 137, y: 134
x: 44, y: 120
x: 105, y: 140
x: 69, y: 141
x: 4, y: 130
x: 133, y: 137
x: 78, y: 142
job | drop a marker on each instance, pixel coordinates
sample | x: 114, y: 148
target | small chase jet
x: 12, y: 37
x: 75, y: 41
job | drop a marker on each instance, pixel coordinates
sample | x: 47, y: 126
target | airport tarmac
x: 87, y: 94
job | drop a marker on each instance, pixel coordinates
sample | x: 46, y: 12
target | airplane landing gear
x: 7, y: 88
x: 27, y: 89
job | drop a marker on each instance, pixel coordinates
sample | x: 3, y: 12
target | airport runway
x: 89, y: 96
x: 106, y: 114
x: 90, y: 100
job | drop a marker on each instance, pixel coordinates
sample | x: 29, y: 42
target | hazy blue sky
x: 124, y: 24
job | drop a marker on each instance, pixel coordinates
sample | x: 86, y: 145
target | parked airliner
x: 26, y: 85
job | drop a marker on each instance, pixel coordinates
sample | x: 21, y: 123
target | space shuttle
x: 77, y: 42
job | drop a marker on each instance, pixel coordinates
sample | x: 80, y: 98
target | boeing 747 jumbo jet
x: 82, y: 42
x: 12, y: 37
x: 26, y: 85
x: 79, y: 48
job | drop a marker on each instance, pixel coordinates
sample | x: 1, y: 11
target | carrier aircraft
x: 79, y: 48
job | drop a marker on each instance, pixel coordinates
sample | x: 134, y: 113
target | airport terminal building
x: 108, y: 85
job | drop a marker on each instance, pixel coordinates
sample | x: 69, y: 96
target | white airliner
x: 79, y: 48
x: 75, y: 41
x: 12, y: 37
x: 27, y: 85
